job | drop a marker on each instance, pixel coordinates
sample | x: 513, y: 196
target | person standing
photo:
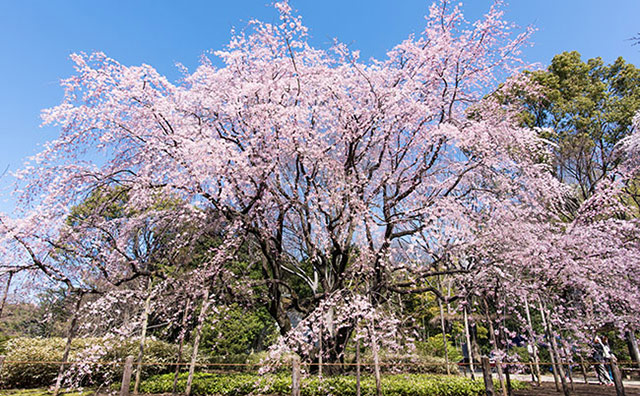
x: 598, y: 359
x: 608, y: 356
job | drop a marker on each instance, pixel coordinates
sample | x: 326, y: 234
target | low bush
x: 392, y: 385
x: 434, y: 346
x: 417, y: 362
x: 29, y: 351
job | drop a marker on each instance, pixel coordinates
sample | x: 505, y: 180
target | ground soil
x: 549, y: 389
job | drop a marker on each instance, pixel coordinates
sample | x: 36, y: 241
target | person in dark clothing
x: 464, y: 363
x: 598, y: 358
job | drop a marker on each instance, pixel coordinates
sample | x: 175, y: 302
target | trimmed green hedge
x: 29, y: 375
x: 392, y: 385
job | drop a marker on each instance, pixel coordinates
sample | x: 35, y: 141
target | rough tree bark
x: 632, y: 343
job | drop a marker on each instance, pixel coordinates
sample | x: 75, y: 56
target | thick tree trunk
x: 467, y: 336
x: 143, y: 336
x: 196, y: 340
x: 632, y: 343
x: 5, y: 293
x: 332, y: 349
x: 183, y: 332
x: 67, y: 348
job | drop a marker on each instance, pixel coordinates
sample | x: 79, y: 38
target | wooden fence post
x: 126, y: 376
x: 2, y: 357
x: 508, y: 379
x: 617, y: 377
x: 583, y: 367
x: 486, y: 373
x: 295, y: 376
x: 358, y: 367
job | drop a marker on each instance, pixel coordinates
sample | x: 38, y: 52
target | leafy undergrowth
x: 41, y: 392
x: 392, y: 385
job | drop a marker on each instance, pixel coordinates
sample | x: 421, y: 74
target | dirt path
x: 549, y: 389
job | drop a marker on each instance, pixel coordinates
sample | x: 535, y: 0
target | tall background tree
x: 585, y: 109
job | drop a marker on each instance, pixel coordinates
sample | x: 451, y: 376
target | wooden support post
x: 126, y: 376
x: 376, y: 360
x: 494, y: 341
x: 550, y: 347
x: 295, y: 376
x: 183, y: 333
x: 617, y: 377
x: 143, y: 335
x: 584, y: 370
x: 508, y: 378
x: 535, y: 368
x: 468, y: 341
x: 358, y: 367
x: 570, y: 373
x: 2, y: 357
x: 320, y: 352
x: 632, y: 344
x: 443, y: 328
x: 486, y: 373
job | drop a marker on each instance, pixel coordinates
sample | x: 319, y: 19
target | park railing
x: 300, y: 370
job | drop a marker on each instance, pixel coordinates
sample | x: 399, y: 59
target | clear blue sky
x: 36, y: 38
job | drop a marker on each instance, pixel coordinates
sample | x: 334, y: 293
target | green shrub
x: 406, y: 363
x: 434, y: 346
x: 345, y: 385
x: 236, y: 331
x: 32, y: 350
